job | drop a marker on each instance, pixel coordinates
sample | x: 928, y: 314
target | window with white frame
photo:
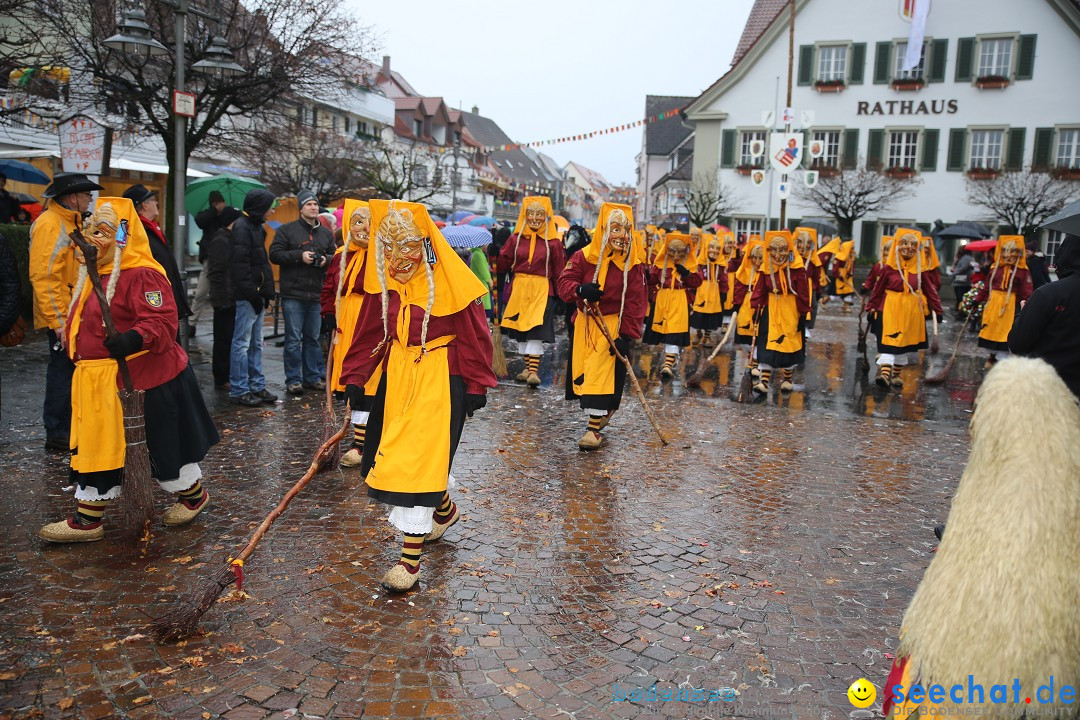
x: 1068, y: 148
x: 832, y: 63
x: 889, y: 227
x: 986, y: 149
x: 916, y: 73
x: 995, y: 57
x: 1053, y: 244
x: 903, y: 148
x: 830, y: 147
x: 745, y: 158
x: 745, y: 227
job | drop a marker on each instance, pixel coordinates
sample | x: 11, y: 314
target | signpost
x: 184, y: 103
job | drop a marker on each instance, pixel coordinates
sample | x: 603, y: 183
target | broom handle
x: 595, y: 315
x: 90, y: 253
x: 293, y: 492
x: 934, y: 316
x: 723, y: 340
x: 960, y: 337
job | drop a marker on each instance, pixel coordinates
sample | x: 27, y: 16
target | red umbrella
x: 980, y: 245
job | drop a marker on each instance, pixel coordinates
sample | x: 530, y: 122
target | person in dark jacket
x: 9, y: 288
x: 303, y: 249
x: 1047, y: 326
x: 1036, y: 263
x: 252, y: 281
x: 217, y: 246
x: 208, y: 221
x: 146, y: 204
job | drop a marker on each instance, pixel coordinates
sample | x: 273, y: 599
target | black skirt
x: 544, y: 332
x: 994, y: 345
x: 179, y: 431
x: 774, y: 358
x: 374, y: 435
x: 707, y: 321
x: 599, y: 402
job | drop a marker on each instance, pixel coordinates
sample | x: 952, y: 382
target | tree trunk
x: 846, y: 227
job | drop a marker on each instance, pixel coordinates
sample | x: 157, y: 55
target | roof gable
x: 663, y: 136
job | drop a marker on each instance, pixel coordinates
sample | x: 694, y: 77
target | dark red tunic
x: 889, y: 279
x: 519, y: 263
x: 579, y: 271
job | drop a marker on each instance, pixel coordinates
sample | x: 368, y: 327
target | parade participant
x: 708, y: 308
x: 342, y: 299
x: 610, y: 273
x: 179, y: 431
x: 1007, y: 288
x: 996, y: 608
x: 743, y: 280
x: 695, y: 240
x: 781, y: 294
x: 875, y: 270
x: 733, y: 256
x: 931, y: 263
x: 529, y: 316
x: 672, y: 282
x: 902, y: 299
x: 843, y: 272
x: 422, y: 325
x: 806, y: 246
x: 53, y: 270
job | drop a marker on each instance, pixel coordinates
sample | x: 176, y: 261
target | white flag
x: 915, y: 37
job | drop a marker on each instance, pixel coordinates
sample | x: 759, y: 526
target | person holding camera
x: 303, y: 249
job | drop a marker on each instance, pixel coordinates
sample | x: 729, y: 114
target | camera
x: 318, y: 259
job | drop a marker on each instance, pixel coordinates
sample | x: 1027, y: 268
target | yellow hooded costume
x: 1006, y: 286
x: 781, y: 313
x: 529, y: 291
x: 746, y: 276
x: 671, y: 305
x: 348, y: 301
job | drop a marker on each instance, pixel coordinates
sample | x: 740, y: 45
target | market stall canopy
x: 134, y: 165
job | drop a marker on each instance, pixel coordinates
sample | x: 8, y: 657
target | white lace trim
x: 671, y: 349
x: 593, y: 412
x: 360, y: 417
x: 90, y: 493
x: 189, y: 475
x: 532, y: 347
x: 411, y: 520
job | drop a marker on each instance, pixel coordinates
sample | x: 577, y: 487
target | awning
x: 125, y: 164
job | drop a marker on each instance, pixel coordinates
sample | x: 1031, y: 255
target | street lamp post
x: 135, y: 37
x: 454, y: 179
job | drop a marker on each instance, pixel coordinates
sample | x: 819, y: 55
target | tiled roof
x: 761, y: 17
x: 681, y: 173
x: 512, y: 164
x: 663, y: 136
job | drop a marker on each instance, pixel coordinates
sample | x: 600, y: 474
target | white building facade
x: 994, y: 91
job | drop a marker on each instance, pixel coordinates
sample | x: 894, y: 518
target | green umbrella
x: 232, y: 187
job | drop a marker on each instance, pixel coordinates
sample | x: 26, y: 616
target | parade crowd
x: 411, y: 324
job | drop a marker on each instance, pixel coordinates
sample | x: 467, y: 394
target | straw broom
x: 184, y: 619
x: 137, y: 509
x: 699, y: 374
x: 498, y: 355
x: 934, y: 347
x: 594, y: 314
x: 939, y: 377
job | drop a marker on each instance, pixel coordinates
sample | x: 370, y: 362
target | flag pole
x: 787, y: 119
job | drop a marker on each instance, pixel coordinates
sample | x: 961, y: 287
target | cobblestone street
x: 771, y: 548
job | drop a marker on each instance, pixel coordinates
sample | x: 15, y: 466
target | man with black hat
x: 146, y: 204
x: 53, y: 271
x: 303, y: 249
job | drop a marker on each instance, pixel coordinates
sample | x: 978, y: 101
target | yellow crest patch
x: 153, y: 298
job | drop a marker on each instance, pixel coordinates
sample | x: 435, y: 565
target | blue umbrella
x: 20, y: 171
x: 483, y: 221
x: 461, y: 215
x: 466, y: 236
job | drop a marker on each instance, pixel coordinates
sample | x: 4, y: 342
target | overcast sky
x: 549, y: 69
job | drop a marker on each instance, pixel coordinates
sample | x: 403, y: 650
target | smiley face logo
x: 862, y: 693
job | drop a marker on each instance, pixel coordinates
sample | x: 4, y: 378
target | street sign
x: 783, y: 189
x: 768, y: 118
x: 789, y: 116
x: 184, y: 103
x: 785, y: 151
x: 84, y: 145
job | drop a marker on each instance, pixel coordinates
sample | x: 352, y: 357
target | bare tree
x: 295, y: 157
x: 30, y: 67
x: 1022, y: 199
x: 853, y: 194
x: 708, y: 199
x: 405, y: 171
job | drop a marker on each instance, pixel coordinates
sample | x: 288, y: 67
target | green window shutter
x: 727, y: 149
x: 1014, y: 152
x: 806, y: 64
x: 965, y: 58
x: 939, y: 55
x: 957, y: 150
x: 850, y: 158
x: 1042, y: 153
x: 929, y: 149
x: 1025, y: 63
x: 874, y: 148
x: 858, y: 63
x: 882, y: 55
x: 868, y: 242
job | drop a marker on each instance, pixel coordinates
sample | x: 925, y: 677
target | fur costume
x: 1000, y: 599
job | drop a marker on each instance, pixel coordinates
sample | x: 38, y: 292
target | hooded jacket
x: 249, y: 267
x: 1047, y: 326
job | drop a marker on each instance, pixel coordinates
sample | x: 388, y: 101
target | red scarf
x: 154, y: 228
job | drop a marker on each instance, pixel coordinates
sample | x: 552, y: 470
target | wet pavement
x: 771, y: 548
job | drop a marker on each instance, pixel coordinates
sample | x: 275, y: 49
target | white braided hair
x: 344, y: 263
